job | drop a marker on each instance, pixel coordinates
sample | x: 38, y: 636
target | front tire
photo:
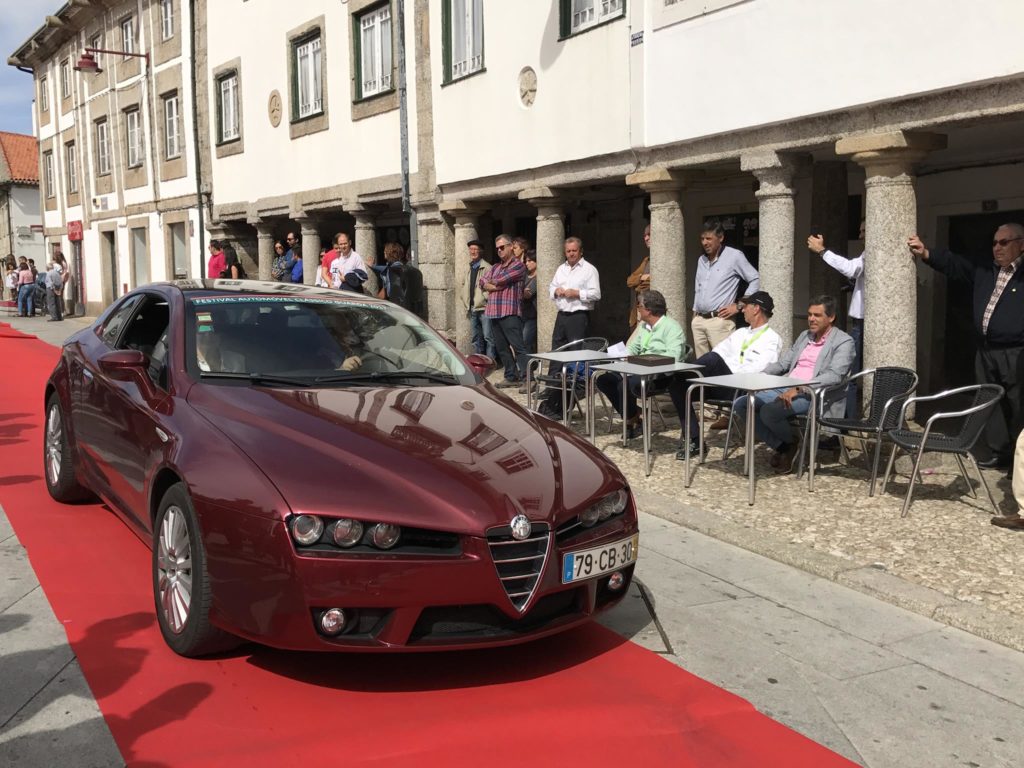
x: 181, y: 586
x: 58, y: 460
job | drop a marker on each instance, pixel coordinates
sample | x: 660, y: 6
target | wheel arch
x: 164, y: 479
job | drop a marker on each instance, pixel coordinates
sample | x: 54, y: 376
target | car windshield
x: 315, y: 341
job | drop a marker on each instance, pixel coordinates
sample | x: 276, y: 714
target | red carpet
x: 586, y: 698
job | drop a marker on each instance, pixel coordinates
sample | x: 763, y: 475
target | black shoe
x: 634, y: 430
x: 994, y: 462
x: 693, y: 451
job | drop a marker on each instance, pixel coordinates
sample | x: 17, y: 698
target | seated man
x: 823, y: 354
x: 659, y: 334
x: 746, y: 350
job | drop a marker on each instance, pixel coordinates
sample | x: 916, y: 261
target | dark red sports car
x: 320, y: 470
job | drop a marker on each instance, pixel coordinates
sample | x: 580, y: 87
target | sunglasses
x: 1005, y: 241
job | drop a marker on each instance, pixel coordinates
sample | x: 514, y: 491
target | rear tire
x: 181, y: 586
x: 58, y: 459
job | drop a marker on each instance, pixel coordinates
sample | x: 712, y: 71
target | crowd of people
x: 34, y: 292
x: 340, y: 267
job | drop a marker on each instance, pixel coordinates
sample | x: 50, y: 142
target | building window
x: 65, y: 79
x: 48, y: 172
x: 72, y: 167
x: 102, y: 147
x: 128, y: 35
x: 44, y: 94
x: 374, y: 55
x: 464, y: 37
x: 166, y: 19
x: 172, y: 134
x: 308, y: 78
x: 227, y: 107
x: 578, y: 15
x: 133, y: 135
x: 97, y: 42
x: 140, y: 256
x: 179, y: 251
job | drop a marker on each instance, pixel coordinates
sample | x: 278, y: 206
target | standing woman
x: 390, y: 272
x: 279, y: 267
x: 232, y: 266
x: 520, y: 247
x: 67, y: 291
x: 529, y: 305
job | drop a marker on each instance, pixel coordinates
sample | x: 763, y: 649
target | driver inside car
x: 211, y: 355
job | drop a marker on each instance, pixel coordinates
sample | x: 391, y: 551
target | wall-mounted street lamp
x: 88, y: 62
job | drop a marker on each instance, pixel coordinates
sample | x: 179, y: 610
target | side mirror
x: 120, y: 363
x: 481, y: 364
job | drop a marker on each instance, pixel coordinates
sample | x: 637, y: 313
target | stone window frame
x: 169, y: 219
x: 165, y: 49
x: 134, y: 175
x: 167, y: 19
x: 71, y: 167
x: 318, y: 121
x: 565, y: 21
x: 168, y: 125
x: 385, y: 101
x: 225, y: 147
x: 170, y: 85
x: 65, y: 78
x: 127, y: 40
x: 138, y: 150
x: 129, y: 66
x: 102, y: 146
x: 448, y: 47
x: 49, y: 178
x: 133, y: 226
x: 44, y: 94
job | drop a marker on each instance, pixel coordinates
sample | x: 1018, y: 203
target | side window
x: 158, y: 361
x: 147, y: 326
x: 112, y: 328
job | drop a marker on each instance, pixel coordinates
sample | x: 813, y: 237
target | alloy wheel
x: 174, y: 563
x: 54, y: 443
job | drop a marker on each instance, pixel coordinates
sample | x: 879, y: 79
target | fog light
x: 306, y: 529
x: 332, y: 622
x: 615, y: 581
x: 385, y: 536
x: 347, y: 533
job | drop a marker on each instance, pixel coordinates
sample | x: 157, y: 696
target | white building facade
x: 21, y: 221
x: 117, y: 155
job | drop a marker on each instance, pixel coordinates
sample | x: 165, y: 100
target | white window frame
x: 467, y: 27
x: 97, y: 42
x: 309, y: 77
x: 166, y: 19
x: 133, y: 137
x: 44, y: 94
x: 48, y: 173
x: 172, y: 132
x: 70, y: 159
x: 128, y: 34
x: 227, y: 93
x: 589, y: 13
x: 65, y: 79
x: 375, y: 68
x: 102, y: 147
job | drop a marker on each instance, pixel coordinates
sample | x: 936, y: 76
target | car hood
x: 455, y: 458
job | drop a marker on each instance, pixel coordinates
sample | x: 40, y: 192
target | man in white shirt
x: 345, y: 261
x: 575, y: 289
x: 852, y: 269
x: 745, y: 350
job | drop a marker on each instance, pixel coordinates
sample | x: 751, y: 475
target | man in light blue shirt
x: 719, y: 272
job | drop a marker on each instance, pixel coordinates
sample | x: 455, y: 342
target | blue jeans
x: 771, y: 420
x: 483, y: 340
x: 27, y: 299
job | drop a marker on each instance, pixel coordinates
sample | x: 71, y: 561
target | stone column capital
x: 264, y: 230
x: 307, y: 225
x: 659, y: 180
x: 542, y: 198
x: 890, y: 154
x: 465, y: 214
x: 773, y: 170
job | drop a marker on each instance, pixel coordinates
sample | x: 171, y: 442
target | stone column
x: 890, y: 273
x: 265, y: 248
x: 310, y: 248
x: 776, y: 215
x: 466, y: 221
x: 436, y: 250
x: 668, y: 253
x: 366, y: 245
x: 550, y: 255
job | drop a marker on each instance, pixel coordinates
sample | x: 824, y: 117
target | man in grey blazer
x: 823, y: 354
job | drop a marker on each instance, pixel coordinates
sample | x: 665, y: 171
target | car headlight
x: 385, y: 536
x: 347, y: 532
x: 307, y: 529
x: 612, y: 504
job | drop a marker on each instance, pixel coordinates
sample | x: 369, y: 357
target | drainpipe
x: 403, y: 122
x: 195, y: 136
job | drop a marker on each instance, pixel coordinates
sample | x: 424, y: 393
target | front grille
x: 454, y: 622
x: 520, y: 563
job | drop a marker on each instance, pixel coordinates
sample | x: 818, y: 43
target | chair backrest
x: 592, y: 343
x: 889, y: 383
x: 985, y: 398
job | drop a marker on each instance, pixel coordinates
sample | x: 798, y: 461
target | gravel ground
x: 945, y: 542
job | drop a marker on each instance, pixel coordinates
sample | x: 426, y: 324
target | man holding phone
x: 852, y: 269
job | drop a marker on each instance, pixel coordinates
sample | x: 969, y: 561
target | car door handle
x: 87, y: 374
x: 164, y: 437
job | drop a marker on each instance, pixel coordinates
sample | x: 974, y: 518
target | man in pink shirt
x: 217, y: 262
x: 823, y: 354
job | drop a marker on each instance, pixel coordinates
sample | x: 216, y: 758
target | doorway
x: 109, y: 262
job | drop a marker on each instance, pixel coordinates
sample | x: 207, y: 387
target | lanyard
x: 746, y: 344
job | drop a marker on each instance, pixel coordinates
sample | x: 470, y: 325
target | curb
x: 928, y: 602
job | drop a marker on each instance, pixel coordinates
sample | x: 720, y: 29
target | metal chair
x: 984, y: 398
x: 575, y: 382
x: 890, y: 388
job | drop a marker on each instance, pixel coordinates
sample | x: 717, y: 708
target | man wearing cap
x: 719, y: 272
x: 474, y: 301
x: 746, y: 350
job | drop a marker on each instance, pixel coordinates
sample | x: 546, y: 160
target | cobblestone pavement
x: 970, y: 570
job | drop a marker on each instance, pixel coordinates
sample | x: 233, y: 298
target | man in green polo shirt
x: 659, y: 334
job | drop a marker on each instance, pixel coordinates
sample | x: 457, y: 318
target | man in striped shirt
x: 503, y: 283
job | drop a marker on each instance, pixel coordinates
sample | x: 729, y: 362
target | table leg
x: 700, y: 438
x: 645, y: 415
x: 529, y: 379
x: 814, y: 441
x: 689, y: 433
x: 624, y: 438
x: 751, y: 415
x: 565, y: 409
x: 591, y: 413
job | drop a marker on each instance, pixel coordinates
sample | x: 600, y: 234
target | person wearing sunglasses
x: 998, y: 303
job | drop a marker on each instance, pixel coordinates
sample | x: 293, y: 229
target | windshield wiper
x: 257, y: 378
x: 356, y: 377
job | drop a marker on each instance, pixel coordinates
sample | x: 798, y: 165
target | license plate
x: 589, y: 563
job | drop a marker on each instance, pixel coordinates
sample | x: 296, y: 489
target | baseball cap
x: 762, y: 299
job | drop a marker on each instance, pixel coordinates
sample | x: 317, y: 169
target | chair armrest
x: 846, y: 382
x: 958, y: 414
x: 925, y: 398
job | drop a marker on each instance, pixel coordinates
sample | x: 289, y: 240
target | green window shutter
x: 357, y: 52
x: 293, y: 86
x: 220, y: 112
x: 565, y: 18
x: 446, y: 40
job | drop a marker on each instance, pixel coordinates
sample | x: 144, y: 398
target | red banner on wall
x: 74, y: 230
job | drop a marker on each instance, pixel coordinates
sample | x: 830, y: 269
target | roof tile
x: 22, y: 157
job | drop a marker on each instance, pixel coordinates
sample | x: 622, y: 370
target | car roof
x: 194, y: 288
